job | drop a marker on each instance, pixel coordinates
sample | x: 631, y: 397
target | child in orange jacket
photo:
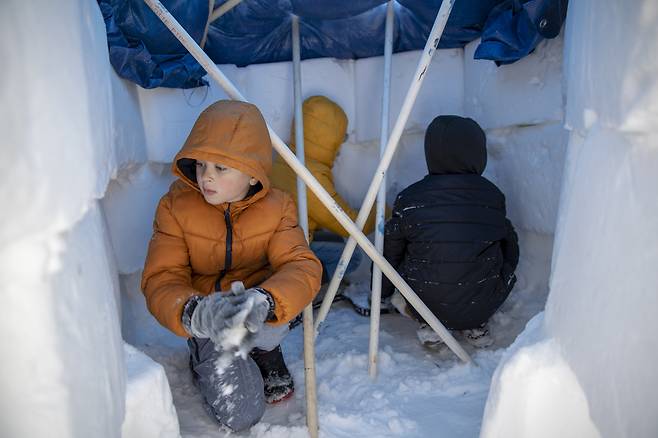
x: 228, y: 265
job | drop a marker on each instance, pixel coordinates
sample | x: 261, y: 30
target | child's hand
x: 254, y: 314
x: 228, y: 318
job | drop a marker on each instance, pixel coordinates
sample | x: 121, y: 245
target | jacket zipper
x: 229, y: 247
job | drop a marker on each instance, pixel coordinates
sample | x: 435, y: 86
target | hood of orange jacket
x: 232, y: 133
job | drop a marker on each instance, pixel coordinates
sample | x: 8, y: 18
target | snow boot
x: 478, y: 337
x: 428, y: 337
x: 276, y: 377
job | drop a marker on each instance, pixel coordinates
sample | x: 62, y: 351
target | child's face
x: 219, y: 183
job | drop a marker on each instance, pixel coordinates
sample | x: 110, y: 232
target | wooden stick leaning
x: 376, y: 295
x: 302, y: 209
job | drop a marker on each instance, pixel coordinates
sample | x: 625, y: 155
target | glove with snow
x: 228, y: 318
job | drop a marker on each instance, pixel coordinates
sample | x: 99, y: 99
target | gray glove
x: 229, y: 318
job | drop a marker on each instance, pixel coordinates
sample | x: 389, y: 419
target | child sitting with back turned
x: 228, y: 266
x: 449, y: 237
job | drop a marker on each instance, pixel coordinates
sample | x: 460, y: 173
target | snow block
x: 85, y: 291
x: 270, y: 87
x: 57, y: 128
x: 353, y: 170
x: 604, y: 271
x: 355, y: 166
x: 129, y: 207
x: 526, y: 164
x: 534, y: 379
x: 150, y: 411
x: 442, y: 91
x: 128, y: 129
x: 138, y: 326
x: 62, y: 334
x: 96, y: 134
x: 605, y: 82
x: 528, y: 92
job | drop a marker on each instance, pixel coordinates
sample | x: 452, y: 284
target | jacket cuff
x: 188, y: 311
x: 271, y: 316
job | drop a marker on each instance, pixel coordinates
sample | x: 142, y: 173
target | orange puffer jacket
x: 198, y: 247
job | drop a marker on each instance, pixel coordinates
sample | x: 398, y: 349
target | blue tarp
x: 259, y: 31
x: 514, y: 28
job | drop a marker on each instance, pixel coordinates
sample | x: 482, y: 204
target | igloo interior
x: 572, y: 142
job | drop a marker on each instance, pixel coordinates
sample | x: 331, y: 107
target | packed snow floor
x: 418, y: 393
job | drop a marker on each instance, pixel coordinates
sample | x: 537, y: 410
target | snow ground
x: 418, y: 393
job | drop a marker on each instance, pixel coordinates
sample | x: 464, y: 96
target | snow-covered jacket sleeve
x: 297, y: 271
x: 394, y: 246
x: 166, y: 279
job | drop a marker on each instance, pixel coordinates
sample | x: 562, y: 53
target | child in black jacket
x: 449, y: 237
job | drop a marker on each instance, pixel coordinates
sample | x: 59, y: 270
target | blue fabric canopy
x: 259, y: 31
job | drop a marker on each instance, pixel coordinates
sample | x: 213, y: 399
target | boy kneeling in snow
x: 449, y: 237
x: 220, y: 230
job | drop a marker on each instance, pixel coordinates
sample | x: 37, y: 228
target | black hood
x: 455, y: 145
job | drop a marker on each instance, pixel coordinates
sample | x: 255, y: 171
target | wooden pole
x: 309, y: 332
x: 376, y: 295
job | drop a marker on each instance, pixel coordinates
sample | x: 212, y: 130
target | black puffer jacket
x: 448, y: 236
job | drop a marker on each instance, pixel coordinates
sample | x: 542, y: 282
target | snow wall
x: 68, y: 125
x: 587, y: 368
x: 62, y: 372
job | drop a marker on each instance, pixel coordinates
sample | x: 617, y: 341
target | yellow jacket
x: 325, y: 125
